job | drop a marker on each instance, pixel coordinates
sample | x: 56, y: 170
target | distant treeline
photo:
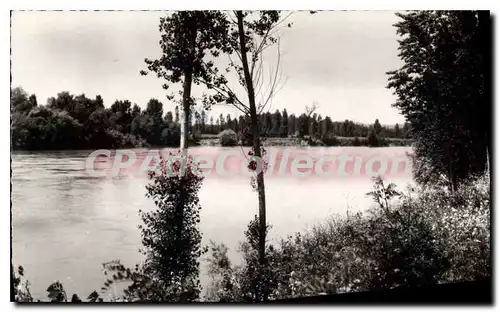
x: 280, y: 124
x: 78, y: 122
x: 313, y: 127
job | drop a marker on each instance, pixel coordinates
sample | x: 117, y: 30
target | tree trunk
x: 186, y: 103
x: 484, y: 41
x: 256, y: 140
x: 186, y: 99
x: 186, y: 96
x: 451, y: 176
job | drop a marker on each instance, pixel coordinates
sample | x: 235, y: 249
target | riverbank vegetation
x: 436, y: 231
x: 413, y: 237
x: 70, y: 121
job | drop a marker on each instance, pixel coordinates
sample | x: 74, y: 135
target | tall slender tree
x: 377, y: 127
x: 186, y: 38
x: 284, y: 124
x: 441, y: 91
x: 203, y: 121
x: 248, y: 36
x: 292, y: 125
x: 177, y: 117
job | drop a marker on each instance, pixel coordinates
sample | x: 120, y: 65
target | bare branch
x: 229, y: 94
x: 262, y: 46
x: 225, y: 91
x: 259, y: 50
x: 237, y: 73
x: 281, y: 84
x: 252, y: 67
x: 283, y: 20
x: 275, y: 81
x: 258, y: 81
x: 237, y: 52
x: 310, y: 109
x: 232, y: 18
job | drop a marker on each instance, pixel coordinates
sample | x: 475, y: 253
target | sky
x: 337, y: 59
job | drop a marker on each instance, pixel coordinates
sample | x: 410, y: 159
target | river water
x: 66, y: 223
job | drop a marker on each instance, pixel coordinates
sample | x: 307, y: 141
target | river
x: 66, y: 223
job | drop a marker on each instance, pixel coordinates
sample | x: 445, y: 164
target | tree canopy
x: 441, y: 91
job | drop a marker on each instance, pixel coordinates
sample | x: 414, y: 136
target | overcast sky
x: 337, y: 59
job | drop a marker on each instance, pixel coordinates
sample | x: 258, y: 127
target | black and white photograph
x: 251, y: 156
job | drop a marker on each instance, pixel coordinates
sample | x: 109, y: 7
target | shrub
x: 384, y: 248
x: 228, y: 138
x: 330, y: 140
x: 461, y: 223
x: 373, y: 139
x: 356, y: 142
x: 314, y: 141
x: 420, y: 237
x: 121, y: 140
x: 406, y: 249
x: 249, y: 282
x: 170, y: 136
x: 21, y: 291
x: 20, y: 286
x: 170, y: 238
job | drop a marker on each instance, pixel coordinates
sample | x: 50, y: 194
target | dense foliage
x: 281, y: 124
x: 419, y: 237
x: 442, y: 91
x: 170, y: 238
x: 77, y: 122
x: 187, y: 37
x: 228, y: 138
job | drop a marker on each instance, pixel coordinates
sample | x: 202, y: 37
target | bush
x: 330, y: 140
x: 373, y: 139
x: 356, y: 142
x: 121, y: 140
x: 249, y: 282
x: 170, y: 238
x: 228, y: 138
x: 170, y: 136
x: 421, y: 237
x: 383, y: 248
x: 20, y: 286
x: 461, y: 223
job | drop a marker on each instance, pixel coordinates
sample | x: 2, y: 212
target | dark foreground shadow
x: 479, y: 292
x: 472, y: 293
